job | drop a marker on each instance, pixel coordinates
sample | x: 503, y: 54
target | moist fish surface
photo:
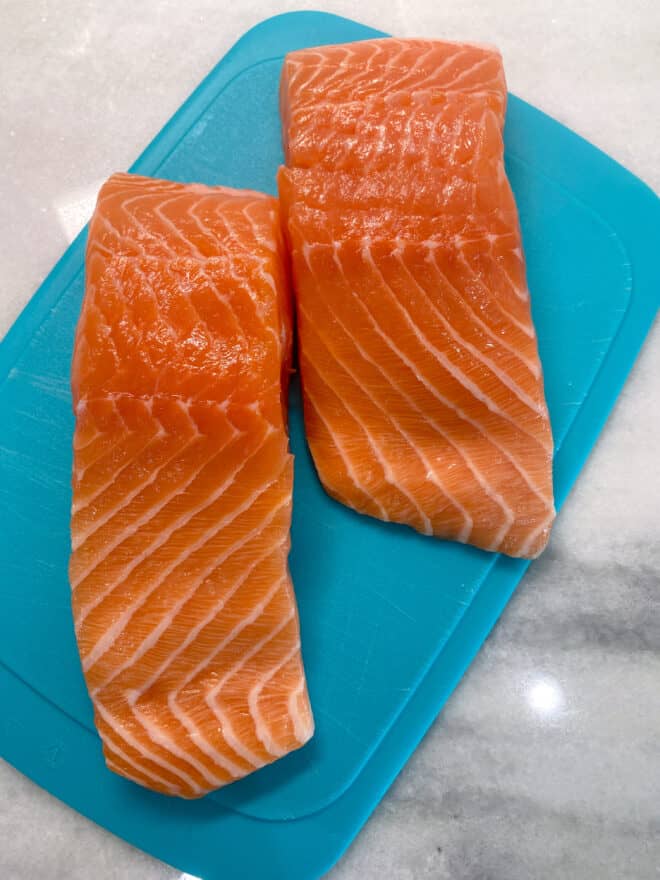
x: 183, y: 604
x: 422, y: 384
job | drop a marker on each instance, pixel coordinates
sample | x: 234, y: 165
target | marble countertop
x: 545, y: 762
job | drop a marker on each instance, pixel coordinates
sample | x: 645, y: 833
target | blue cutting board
x: 390, y: 619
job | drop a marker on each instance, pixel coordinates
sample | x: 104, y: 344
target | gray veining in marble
x: 545, y: 764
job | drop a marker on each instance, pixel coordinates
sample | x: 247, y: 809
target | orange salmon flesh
x: 422, y: 385
x: 183, y: 605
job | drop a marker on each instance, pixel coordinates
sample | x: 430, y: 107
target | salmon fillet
x: 422, y: 385
x: 183, y: 605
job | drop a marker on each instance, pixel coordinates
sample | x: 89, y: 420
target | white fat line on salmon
x: 428, y: 467
x: 305, y: 114
x: 390, y: 380
x: 80, y: 410
x: 504, y: 378
x: 455, y: 372
x: 107, y: 451
x: 159, y: 211
x: 192, y: 634
x: 457, y: 140
x: 118, y: 284
x: 202, y: 742
x: 542, y: 527
x: 98, y: 252
x: 425, y: 65
x: 160, y: 735
x: 348, y: 466
x: 241, y: 285
x: 142, y: 773
x: 152, y: 512
x: 230, y: 235
x: 265, y: 241
x: 135, y: 775
x: 386, y: 467
x: 110, y: 634
x: 317, y: 70
x: 133, y: 243
x: 463, y: 302
x: 151, y: 398
x: 213, y: 699
x: 448, y: 403
x: 330, y: 142
x: 203, y: 268
x: 338, y: 77
x: 81, y: 536
x: 526, y: 328
x: 148, y: 235
x: 185, y: 404
x: 262, y: 729
x: 126, y: 736
x: 239, y: 244
x: 418, y: 68
x: 130, y: 182
x: 429, y: 75
x: 173, y: 334
x: 410, y: 119
x: 428, y: 84
x: 467, y: 71
x: 157, y: 542
x: 462, y: 415
x: 521, y: 294
x: 303, y: 724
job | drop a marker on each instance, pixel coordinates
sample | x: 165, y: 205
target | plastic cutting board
x: 390, y: 619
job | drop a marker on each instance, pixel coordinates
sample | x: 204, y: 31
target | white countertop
x: 545, y: 762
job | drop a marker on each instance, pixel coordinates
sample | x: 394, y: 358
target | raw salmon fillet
x: 183, y: 605
x: 422, y: 384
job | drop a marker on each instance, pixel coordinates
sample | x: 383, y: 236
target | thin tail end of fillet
x: 146, y: 773
x: 528, y: 547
